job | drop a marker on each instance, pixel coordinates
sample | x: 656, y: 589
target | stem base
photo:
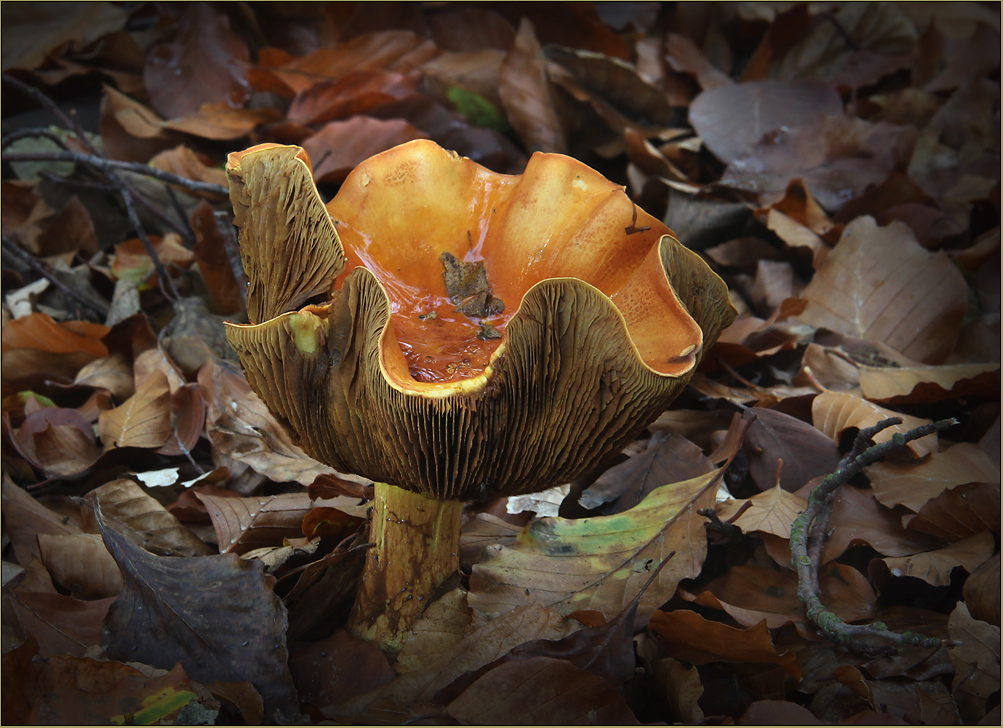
x: 417, y: 546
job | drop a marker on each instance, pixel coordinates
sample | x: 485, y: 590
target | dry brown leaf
x: 879, y: 284
x: 214, y: 263
x: 341, y: 145
x: 243, y: 524
x: 188, y: 410
x: 917, y: 385
x: 960, y: 512
x: 82, y: 564
x: 834, y: 412
x: 25, y: 519
x: 391, y: 50
x: 772, y: 511
x: 354, y: 93
x: 182, y: 161
x: 541, y: 690
x: 222, y: 121
x: 914, y: 484
x: 58, y: 441
x: 156, y: 360
x: 858, y: 519
x: 240, y: 426
x: 982, y: 591
x: 731, y: 119
x: 525, y: 94
x: 62, y: 625
x: 934, y: 567
x: 783, y: 449
x: 156, y: 529
x: 749, y: 594
x: 688, y: 636
x: 113, y: 373
x: 683, y: 55
x: 441, y: 626
x: 39, y: 331
x: 205, y: 62
x: 144, y: 420
x: 601, y: 562
x: 976, y: 662
x: 476, y: 649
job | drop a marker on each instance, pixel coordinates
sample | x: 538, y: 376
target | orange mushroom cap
x: 458, y: 332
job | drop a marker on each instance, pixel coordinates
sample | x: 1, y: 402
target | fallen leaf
x: 39, y: 331
x: 927, y: 702
x: 731, y: 118
x: 113, y: 373
x: 216, y: 615
x: 37, y: 31
x: 144, y: 420
x: 690, y: 637
x: 775, y: 438
x: 62, y: 625
x: 391, y: 50
x: 184, y: 162
x: 205, y: 62
x: 982, y: 591
x: 541, y: 690
x: 220, y: 120
x: 443, y: 624
x: 935, y: 567
x: 960, y: 512
x: 25, y: 519
x: 352, y: 94
x: 476, y: 649
x: 157, y: 530
x: 322, y: 588
x: 858, y: 518
x: 668, y: 459
x: 601, y: 562
x: 187, y: 420
x: 214, y: 262
x: 835, y: 412
x: 243, y: 524
x: 749, y: 594
x: 81, y: 564
x: 976, y: 662
x: 683, y: 55
x: 879, y: 284
x: 924, y: 385
x: 772, y: 511
x: 914, y: 484
x: 69, y: 690
x: 777, y: 712
x: 525, y: 94
x: 240, y: 426
x: 341, y: 145
x: 332, y: 670
x: 58, y: 441
x: 838, y: 157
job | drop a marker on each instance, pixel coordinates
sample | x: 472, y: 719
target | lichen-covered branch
x: 808, y: 536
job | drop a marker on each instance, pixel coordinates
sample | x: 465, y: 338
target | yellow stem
x: 417, y: 547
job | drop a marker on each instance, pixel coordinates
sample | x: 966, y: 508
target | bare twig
x: 112, y: 165
x: 43, y: 270
x: 808, y: 534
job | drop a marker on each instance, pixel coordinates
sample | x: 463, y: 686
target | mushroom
x: 456, y: 334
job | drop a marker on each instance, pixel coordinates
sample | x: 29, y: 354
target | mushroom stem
x: 417, y: 546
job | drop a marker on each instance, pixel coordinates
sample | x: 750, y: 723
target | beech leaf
x: 878, y: 283
x: 525, y: 94
x: 834, y: 412
x: 805, y: 452
x: 216, y: 615
x: 143, y: 420
x: 541, y: 691
x: 600, y: 563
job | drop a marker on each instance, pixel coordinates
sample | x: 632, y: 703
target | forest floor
x: 170, y: 556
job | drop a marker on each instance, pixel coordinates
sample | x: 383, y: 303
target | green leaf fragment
x: 476, y: 109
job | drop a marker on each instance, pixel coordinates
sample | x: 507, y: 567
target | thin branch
x: 113, y: 165
x: 808, y: 533
x: 43, y: 270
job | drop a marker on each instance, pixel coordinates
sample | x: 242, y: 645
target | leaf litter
x: 837, y: 165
